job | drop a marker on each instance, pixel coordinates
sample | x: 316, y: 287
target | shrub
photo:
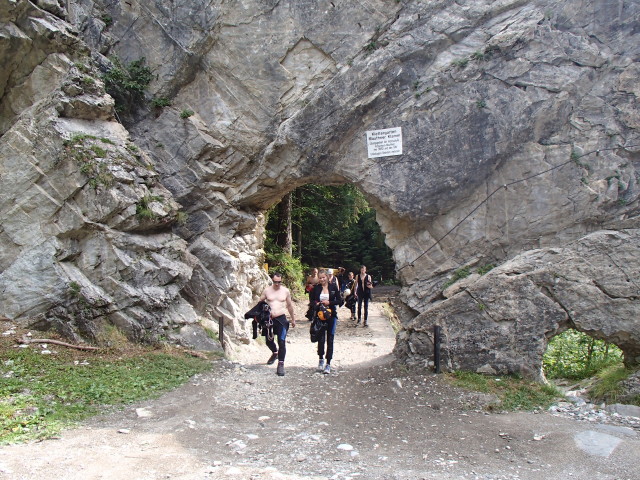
x: 127, y: 83
x: 160, y: 102
x: 186, y: 113
x: 290, y: 268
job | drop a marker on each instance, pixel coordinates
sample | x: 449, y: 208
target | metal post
x: 221, y: 331
x: 436, y: 347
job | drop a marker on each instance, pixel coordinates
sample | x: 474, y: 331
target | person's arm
x: 290, y: 308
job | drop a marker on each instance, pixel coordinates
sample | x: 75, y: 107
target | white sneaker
x: 321, y: 365
x: 327, y: 369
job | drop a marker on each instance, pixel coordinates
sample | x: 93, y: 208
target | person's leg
x: 274, y: 349
x: 366, y: 310
x: 331, y: 333
x: 321, y: 338
x: 280, y: 332
x: 359, y: 309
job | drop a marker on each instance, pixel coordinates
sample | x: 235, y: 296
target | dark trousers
x: 329, y: 333
x: 366, y: 307
x: 280, y: 329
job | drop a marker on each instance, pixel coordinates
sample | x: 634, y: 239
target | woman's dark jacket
x: 334, y: 297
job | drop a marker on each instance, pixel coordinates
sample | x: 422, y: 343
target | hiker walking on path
x: 328, y: 295
x: 364, y: 284
x: 312, y: 281
x: 349, y: 294
x: 279, y: 300
x: 332, y: 279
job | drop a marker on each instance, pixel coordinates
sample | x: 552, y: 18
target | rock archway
x: 520, y: 148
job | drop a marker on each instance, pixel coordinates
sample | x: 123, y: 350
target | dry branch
x: 26, y: 339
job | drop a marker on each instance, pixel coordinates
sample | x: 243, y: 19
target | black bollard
x: 436, y: 347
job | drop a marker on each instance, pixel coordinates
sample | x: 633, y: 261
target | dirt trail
x: 369, y: 419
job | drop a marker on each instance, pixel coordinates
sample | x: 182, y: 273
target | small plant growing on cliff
x: 74, y: 288
x: 143, y: 208
x: 371, y: 46
x: 126, y: 83
x: 481, y: 103
x: 182, y: 217
x: 160, y: 102
x: 457, y: 275
x: 485, y: 269
x: 479, y: 56
x: 186, y: 113
x: 460, y: 62
x: 99, y: 151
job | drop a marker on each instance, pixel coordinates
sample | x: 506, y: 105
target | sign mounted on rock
x: 384, y: 143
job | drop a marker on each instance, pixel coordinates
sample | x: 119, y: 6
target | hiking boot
x: 321, y: 365
x: 358, y: 322
x: 272, y: 358
x: 365, y: 324
x: 327, y: 369
x: 280, y: 369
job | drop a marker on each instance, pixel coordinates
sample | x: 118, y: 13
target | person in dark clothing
x: 364, y: 284
x: 278, y: 298
x: 328, y: 295
x: 349, y: 294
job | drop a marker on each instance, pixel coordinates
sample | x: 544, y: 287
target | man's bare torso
x: 277, y: 300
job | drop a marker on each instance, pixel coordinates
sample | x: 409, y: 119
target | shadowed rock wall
x: 489, y: 95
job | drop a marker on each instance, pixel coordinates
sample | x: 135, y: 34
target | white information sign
x: 384, y: 143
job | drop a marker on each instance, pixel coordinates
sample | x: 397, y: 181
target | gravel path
x: 370, y: 419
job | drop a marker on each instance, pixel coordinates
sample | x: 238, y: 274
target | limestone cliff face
x: 520, y: 142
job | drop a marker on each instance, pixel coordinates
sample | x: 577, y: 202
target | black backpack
x: 318, y: 325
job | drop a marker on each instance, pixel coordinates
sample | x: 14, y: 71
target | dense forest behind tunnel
x: 327, y: 226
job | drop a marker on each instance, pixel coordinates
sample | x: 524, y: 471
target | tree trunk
x: 298, y: 223
x: 284, y: 238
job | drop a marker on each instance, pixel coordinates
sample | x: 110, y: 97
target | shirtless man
x: 279, y: 299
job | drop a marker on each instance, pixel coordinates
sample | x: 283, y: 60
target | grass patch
x: 608, y: 385
x: 42, y: 394
x: 457, y: 275
x: 513, y: 392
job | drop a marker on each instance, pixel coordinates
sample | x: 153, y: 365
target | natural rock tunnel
x: 519, y: 125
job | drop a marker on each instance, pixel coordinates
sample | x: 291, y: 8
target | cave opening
x: 327, y: 226
x: 576, y: 361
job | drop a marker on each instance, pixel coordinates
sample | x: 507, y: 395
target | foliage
x: 160, y: 102
x: 457, y: 275
x: 336, y: 227
x: 485, y: 269
x: 460, y: 62
x: 126, y: 83
x: 512, y: 392
x: 186, y: 113
x: 91, y: 158
x: 608, y: 385
x: 143, y: 207
x: 288, y: 266
x: 42, y: 394
x: 575, y: 355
